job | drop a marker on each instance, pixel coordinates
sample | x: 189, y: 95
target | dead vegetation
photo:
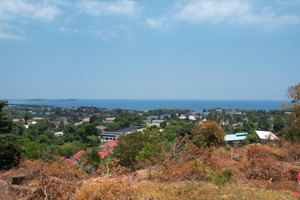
x: 253, y: 172
x: 56, y: 180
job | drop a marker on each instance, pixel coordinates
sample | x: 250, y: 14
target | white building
x: 58, y: 134
x: 265, y: 135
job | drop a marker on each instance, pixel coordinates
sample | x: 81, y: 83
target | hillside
x: 254, y: 172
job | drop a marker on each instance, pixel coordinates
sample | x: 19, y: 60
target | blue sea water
x: 196, y: 105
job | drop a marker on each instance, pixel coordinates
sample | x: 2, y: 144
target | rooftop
x: 235, y: 137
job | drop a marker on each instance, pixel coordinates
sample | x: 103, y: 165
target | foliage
x: 90, y: 160
x: 129, y: 147
x: 5, y: 123
x: 177, y: 129
x: 69, y: 149
x: 147, y: 152
x: 208, y: 134
x: 251, y: 137
x: 9, y: 152
x: 292, y: 133
x: 31, y: 149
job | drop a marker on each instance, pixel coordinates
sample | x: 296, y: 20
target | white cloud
x: 10, y: 10
x: 69, y: 30
x: 10, y: 36
x: 231, y: 11
x: 103, y: 33
x: 159, y: 23
x: 19, y: 12
x: 240, y: 12
x: 109, y: 8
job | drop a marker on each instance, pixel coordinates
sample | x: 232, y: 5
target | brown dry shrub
x: 283, y: 185
x: 110, y: 167
x: 192, y: 170
x: 284, y: 150
x: 54, y: 188
x: 27, y: 168
x: 259, y: 165
x: 104, y: 188
x: 291, y: 174
x: 64, y: 170
x: 219, y: 162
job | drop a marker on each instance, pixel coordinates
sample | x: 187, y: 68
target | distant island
x: 44, y: 100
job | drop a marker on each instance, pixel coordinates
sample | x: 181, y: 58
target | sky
x: 149, y: 49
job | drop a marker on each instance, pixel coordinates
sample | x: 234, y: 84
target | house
x: 87, y: 119
x: 107, y: 148
x: 58, y: 134
x: 113, y: 135
x: 33, y: 122
x: 192, y: 118
x: 109, y: 120
x: 101, y: 128
x: 182, y: 116
x: 265, y: 135
x: 78, y: 123
x: 106, y: 151
x: 237, y: 139
x: 156, y: 122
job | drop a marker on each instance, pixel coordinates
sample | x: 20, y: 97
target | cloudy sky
x: 149, y: 49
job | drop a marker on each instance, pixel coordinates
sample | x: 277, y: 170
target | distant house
x: 86, y: 119
x: 33, y: 122
x: 101, y: 128
x: 265, y: 135
x: 58, y: 134
x: 156, y: 122
x: 78, y: 123
x: 38, y: 118
x: 113, y: 135
x: 237, y: 139
x: 182, y: 116
x: 152, y: 117
x: 107, y: 149
x: 192, y: 118
x: 109, y: 120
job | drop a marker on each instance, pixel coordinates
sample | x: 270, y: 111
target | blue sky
x: 156, y: 49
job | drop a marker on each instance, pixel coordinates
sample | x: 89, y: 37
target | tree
x: 5, y: 124
x: 208, y: 134
x: 69, y: 149
x: 134, y: 147
x: 91, y: 160
x: 292, y: 133
x: 9, y: 151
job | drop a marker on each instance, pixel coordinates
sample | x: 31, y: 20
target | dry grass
x: 108, y: 189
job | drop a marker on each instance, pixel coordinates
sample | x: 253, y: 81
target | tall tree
x: 9, y: 151
x: 293, y: 132
x: 5, y: 124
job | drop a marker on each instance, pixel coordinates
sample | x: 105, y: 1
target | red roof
x: 111, y: 144
x: 78, y: 155
x: 103, y: 154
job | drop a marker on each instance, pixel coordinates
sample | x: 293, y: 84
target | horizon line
x: 28, y: 99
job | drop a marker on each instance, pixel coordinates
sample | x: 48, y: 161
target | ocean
x: 195, y: 105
